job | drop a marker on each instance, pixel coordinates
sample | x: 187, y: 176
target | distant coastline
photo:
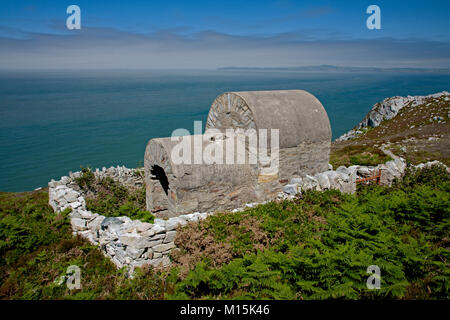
x: 331, y: 68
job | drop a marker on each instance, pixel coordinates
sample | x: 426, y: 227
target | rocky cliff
x: 388, y: 109
x: 414, y: 127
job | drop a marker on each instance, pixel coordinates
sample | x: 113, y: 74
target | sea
x: 53, y: 122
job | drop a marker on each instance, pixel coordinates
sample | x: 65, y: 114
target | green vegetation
x: 418, y: 156
x: 403, y: 229
x: 315, y: 247
x: 86, y: 180
x: 37, y: 247
x: 357, y: 155
x: 109, y: 198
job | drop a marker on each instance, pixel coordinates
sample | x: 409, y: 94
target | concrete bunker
x: 175, y: 188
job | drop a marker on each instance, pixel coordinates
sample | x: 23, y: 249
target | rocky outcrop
x: 387, y: 109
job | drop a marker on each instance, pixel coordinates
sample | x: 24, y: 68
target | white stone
x: 344, y: 177
x: 157, y: 255
x: 292, y: 189
x: 134, y: 253
x: 110, y: 250
x: 310, y: 182
x: 160, y: 222
x: 144, y: 227
x: 323, y: 180
x: 148, y: 233
x: 118, y: 263
x: 392, y: 165
x: 125, y: 219
x: 400, y: 163
x: 65, y: 180
x: 170, y: 236
x: 52, y: 184
x: 133, y: 239
x: 192, y: 217
x: 364, y: 172
x: 158, y: 229
x: 95, y: 224
x: 343, y: 169
x: 71, y: 195
x: 78, y: 224
x: 163, y: 247
x: 173, y: 223
x: 151, y: 244
x: 75, y: 205
x: 203, y: 215
x: 59, y: 194
x: 139, y: 264
x: 159, y: 236
x: 108, y: 236
x: 88, y: 215
x: 353, y: 169
x: 332, y: 175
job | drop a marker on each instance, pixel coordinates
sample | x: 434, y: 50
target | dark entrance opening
x: 160, y: 175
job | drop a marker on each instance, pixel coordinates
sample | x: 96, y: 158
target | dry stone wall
x: 126, y: 242
x: 132, y: 243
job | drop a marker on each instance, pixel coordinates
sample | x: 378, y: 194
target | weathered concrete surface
x: 175, y: 188
x: 194, y: 187
x: 298, y: 115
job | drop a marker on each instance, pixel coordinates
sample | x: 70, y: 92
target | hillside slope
x: 415, y: 128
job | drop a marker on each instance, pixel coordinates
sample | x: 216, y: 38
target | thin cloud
x: 108, y: 48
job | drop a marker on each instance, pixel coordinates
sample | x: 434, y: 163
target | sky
x: 150, y: 34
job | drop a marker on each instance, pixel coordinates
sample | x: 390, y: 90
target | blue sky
x: 210, y: 34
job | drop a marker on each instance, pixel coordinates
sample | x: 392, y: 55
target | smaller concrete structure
x: 179, y: 188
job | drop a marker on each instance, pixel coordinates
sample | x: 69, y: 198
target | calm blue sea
x: 55, y: 122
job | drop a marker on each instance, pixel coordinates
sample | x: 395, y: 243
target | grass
x: 357, y: 155
x: 110, y: 198
x: 418, y: 156
x: 315, y: 247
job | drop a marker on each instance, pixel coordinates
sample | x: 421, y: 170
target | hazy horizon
x: 224, y: 68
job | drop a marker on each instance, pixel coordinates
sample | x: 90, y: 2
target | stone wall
x: 126, y: 242
x: 344, y: 178
x: 133, y: 243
